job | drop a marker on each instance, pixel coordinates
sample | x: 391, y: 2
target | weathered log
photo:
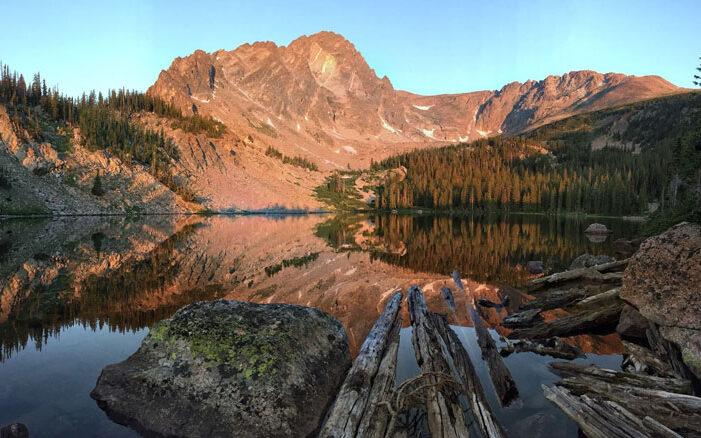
x: 572, y: 324
x: 679, y: 412
x: 443, y: 408
x: 644, y: 360
x: 499, y: 373
x: 570, y: 369
x: 479, y: 407
x: 350, y: 404
x: 593, y: 274
x: 605, y: 420
x: 448, y: 297
x: 376, y: 417
x: 525, y: 318
x: 600, y: 299
x: 554, y: 347
x: 561, y: 298
x: 667, y: 351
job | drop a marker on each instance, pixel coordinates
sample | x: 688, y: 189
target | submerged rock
x: 597, y: 229
x: 230, y: 368
x: 663, y: 281
x: 588, y: 260
x: 535, y: 267
x: 14, y: 430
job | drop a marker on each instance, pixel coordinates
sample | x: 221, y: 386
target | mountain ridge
x: 324, y: 102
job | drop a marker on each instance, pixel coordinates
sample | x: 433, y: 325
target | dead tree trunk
x: 443, y: 408
x: 351, y: 402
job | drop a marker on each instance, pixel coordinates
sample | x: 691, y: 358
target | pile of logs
x: 651, y: 397
x: 450, y: 394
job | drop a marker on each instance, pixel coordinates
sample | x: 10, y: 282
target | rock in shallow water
x: 588, y: 260
x: 230, y: 368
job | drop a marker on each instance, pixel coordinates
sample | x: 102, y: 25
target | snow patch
x: 474, y: 116
x: 298, y: 127
x: 500, y: 131
x: 483, y: 133
x: 388, y: 127
x: 270, y: 122
x: 465, y: 138
x: 200, y: 100
x: 422, y: 107
x: 350, y: 149
x: 429, y: 133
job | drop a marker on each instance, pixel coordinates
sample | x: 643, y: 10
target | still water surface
x: 77, y: 294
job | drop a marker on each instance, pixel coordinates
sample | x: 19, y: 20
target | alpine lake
x: 79, y: 293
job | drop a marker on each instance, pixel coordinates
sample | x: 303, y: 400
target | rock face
x: 663, y: 281
x: 319, y: 95
x: 230, y: 368
x: 588, y: 260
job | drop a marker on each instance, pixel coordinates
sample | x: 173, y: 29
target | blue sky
x: 424, y: 47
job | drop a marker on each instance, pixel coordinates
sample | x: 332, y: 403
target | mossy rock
x: 230, y: 368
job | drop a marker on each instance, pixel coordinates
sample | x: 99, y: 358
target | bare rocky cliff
x: 318, y: 97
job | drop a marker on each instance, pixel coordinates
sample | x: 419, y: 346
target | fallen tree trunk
x: 569, y: 369
x: 479, y: 407
x: 605, y: 420
x: 377, y: 416
x: 443, y: 408
x: 644, y: 360
x: 561, y: 298
x: 498, y: 372
x: 525, y: 318
x: 554, y: 347
x: 600, y: 299
x: 679, y: 412
x: 593, y: 274
x: 350, y: 404
x: 572, y: 324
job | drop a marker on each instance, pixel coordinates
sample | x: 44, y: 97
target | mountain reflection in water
x: 105, y: 280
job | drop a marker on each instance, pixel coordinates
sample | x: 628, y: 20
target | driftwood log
x: 643, y: 360
x: 554, y: 347
x: 353, y: 399
x: 576, y: 323
x: 377, y: 416
x: 444, y: 411
x: 500, y: 375
x: 599, y: 273
x: 669, y: 384
x: 479, y: 407
x: 607, y: 419
x: 601, y: 299
x: 561, y: 298
x: 525, y: 318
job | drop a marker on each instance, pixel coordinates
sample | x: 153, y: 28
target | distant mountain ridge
x: 318, y: 98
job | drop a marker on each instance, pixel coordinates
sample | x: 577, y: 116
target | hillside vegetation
x: 622, y: 161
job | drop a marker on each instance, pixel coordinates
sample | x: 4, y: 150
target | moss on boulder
x: 230, y: 368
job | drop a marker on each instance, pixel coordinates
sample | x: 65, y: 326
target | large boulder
x: 588, y: 260
x: 663, y: 281
x: 230, y: 368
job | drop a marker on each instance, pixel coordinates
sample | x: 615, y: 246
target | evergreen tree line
x: 514, y: 174
x: 105, y: 122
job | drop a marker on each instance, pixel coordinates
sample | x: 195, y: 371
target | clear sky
x: 426, y: 47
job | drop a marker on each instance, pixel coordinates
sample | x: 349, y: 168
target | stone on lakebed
x: 229, y: 368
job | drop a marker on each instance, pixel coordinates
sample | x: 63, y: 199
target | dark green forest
x: 555, y: 169
x: 105, y: 122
